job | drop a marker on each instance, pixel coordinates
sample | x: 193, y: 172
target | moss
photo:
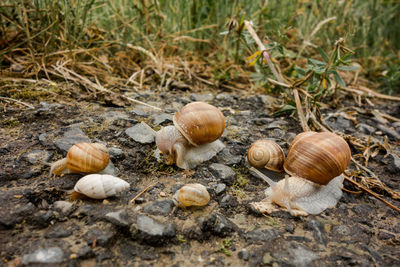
x: 10, y: 123
x: 226, y: 246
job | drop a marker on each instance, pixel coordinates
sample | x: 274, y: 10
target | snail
x: 193, y: 138
x: 100, y: 186
x: 82, y: 158
x: 191, y: 195
x: 266, y: 154
x: 316, y: 162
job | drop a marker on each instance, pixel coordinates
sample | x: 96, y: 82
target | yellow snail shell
x: 266, y: 154
x: 82, y: 158
x: 100, y: 186
x: 317, y: 157
x: 192, y: 195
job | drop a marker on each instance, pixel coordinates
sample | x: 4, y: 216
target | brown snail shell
x: 266, y: 154
x: 317, y: 157
x: 87, y: 158
x: 192, y: 195
x: 200, y: 123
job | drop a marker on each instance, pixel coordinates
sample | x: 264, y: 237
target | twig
x: 370, y: 92
x: 373, y: 194
x: 143, y: 191
x: 17, y: 101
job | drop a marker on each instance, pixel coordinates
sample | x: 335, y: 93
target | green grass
x: 35, y: 29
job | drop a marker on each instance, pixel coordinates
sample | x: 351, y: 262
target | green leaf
x: 323, y: 54
x: 316, y: 62
x: 339, y: 79
x: 348, y: 68
x: 286, y: 108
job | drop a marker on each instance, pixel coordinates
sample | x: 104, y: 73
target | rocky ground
x: 39, y: 224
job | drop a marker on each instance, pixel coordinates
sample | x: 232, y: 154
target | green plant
x: 225, y: 247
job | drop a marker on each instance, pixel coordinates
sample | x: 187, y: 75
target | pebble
x: 37, y: 156
x: 42, y: 218
x: 161, y: 118
x: 389, y: 131
x: 220, y: 188
x: 341, y: 230
x: 140, y: 133
x: 118, y: 218
x: 163, y: 207
x: 116, y: 153
x: 243, y: 254
x: 218, y: 225
x: 58, y: 232
x: 151, y: 231
x: 226, y: 157
x: 302, y: 256
x: 45, y: 256
x: 71, y: 137
x: 365, y: 128
x: 45, y: 140
x: 228, y: 201
x: 64, y: 207
x: 223, y: 173
x: 102, y: 234
x: 260, y: 236
x: 318, y: 230
x: 394, y: 165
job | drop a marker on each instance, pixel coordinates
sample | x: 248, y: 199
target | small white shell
x: 192, y: 195
x: 100, y: 186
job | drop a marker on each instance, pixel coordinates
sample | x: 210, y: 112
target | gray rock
x: 44, y: 255
x: 71, y: 137
x: 318, y: 230
x: 226, y: 157
x: 45, y: 139
x: 343, y: 124
x: 163, y: 207
x: 42, y: 218
x: 202, y: 97
x: 152, y: 232
x: 302, y: 256
x: 223, y: 173
x: 102, y: 234
x: 140, y: 133
x: 341, y: 230
x: 228, y: 201
x: 217, y: 225
x: 394, y: 165
x: 243, y: 254
x: 119, y: 218
x: 365, y: 128
x: 110, y: 169
x: 261, y: 236
x: 389, y: 131
x: 116, y: 153
x: 37, y: 156
x: 64, y: 207
x: 161, y: 118
x: 384, y: 235
x: 220, y: 188
x: 58, y: 232
x: 262, y: 122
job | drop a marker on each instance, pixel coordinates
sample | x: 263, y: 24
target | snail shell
x: 192, y: 195
x: 200, y: 123
x: 266, y: 154
x: 87, y: 158
x: 100, y: 186
x: 318, y: 157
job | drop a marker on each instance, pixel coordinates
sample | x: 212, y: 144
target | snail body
x: 192, y: 195
x: 266, y: 154
x: 100, y: 186
x: 316, y: 162
x: 194, y: 137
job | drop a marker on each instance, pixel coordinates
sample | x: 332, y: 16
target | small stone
x: 37, y: 156
x: 389, y: 131
x: 110, y: 169
x: 289, y: 228
x: 217, y: 225
x: 226, y: 157
x: 202, y: 97
x: 116, y: 153
x: 45, y: 256
x: 220, y: 188
x: 223, y: 173
x: 140, y: 133
x: 384, y: 235
x: 102, y: 235
x: 228, y: 201
x: 365, y: 128
x: 64, y: 207
x: 394, y: 165
x: 267, y: 258
x: 161, y: 118
x: 58, y: 232
x: 71, y: 137
x: 261, y: 236
x: 163, y: 194
x: 163, y: 207
x: 119, y: 218
x: 42, y: 218
x: 243, y: 254
x: 318, y: 230
x: 151, y: 231
x: 342, y: 230
x: 303, y: 256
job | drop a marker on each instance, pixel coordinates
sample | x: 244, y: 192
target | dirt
x: 360, y: 230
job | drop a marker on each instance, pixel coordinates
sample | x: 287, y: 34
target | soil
x: 360, y: 230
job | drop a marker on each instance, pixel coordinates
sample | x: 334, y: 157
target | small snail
x: 82, y: 158
x: 194, y: 137
x: 316, y: 162
x: 100, y: 186
x: 266, y: 154
x: 192, y: 195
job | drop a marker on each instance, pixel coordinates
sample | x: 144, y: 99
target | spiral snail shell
x: 82, y: 158
x: 192, y: 195
x: 100, y: 186
x: 266, y: 154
